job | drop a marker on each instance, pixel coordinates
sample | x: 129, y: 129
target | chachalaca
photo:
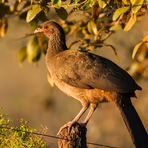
x: 91, y: 79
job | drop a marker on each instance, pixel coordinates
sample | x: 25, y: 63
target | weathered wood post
x: 75, y: 139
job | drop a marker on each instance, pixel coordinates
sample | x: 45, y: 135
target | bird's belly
x: 92, y: 95
x: 74, y: 92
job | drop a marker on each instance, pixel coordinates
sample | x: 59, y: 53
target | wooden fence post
x: 75, y: 139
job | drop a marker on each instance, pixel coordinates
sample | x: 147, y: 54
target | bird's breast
x: 91, y: 95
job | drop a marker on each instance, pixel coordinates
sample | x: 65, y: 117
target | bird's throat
x: 55, y: 46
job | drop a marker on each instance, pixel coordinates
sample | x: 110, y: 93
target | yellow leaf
x: 145, y: 39
x: 131, y: 22
x: 102, y: 4
x: 134, y: 69
x: 142, y: 52
x: 137, y: 5
x: 3, y: 26
x: 141, y: 49
x: 92, y: 28
x: 89, y: 27
x: 119, y: 12
x: 125, y: 2
x: 133, y: 1
x: 135, y: 50
x: 115, y: 27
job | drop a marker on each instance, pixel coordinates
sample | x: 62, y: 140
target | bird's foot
x: 69, y: 125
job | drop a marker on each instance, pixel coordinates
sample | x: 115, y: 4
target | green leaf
x: 55, y: 1
x: 86, y: 6
x: 33, y: 50
x: 62, y: 13
x: 137, y: 5
x: 33, y: 12
x: 119, y: 12
x: 22, y: 54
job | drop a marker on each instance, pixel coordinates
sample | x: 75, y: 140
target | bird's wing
x: 86, y: 70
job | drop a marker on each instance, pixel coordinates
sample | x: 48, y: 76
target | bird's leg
x: 90, y: 113
x: 85, y: 105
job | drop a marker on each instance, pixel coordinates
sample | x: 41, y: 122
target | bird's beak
x: 38, y: 30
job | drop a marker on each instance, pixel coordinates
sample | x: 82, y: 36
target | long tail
x: 133, y: 123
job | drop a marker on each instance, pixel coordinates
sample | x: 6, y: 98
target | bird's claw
x: 69, y: 125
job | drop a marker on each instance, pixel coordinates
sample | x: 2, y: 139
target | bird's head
x: 50, y: 29
x: 55, y: 34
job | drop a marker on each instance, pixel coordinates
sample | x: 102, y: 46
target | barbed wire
x: 52, y: 136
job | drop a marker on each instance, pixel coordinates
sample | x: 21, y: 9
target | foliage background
x: 25, y: 92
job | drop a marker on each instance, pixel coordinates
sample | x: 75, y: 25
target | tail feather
x: 133, y: 123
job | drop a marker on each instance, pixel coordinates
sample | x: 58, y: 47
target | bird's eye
x: 45, y: 27
x: 51, y: 30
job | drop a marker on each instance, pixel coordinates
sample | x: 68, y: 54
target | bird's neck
x: 56, y: 45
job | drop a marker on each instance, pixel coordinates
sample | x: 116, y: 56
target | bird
x: 90, y: 79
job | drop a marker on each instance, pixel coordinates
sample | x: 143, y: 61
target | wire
x: 52, y: 136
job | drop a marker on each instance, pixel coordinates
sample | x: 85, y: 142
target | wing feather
x: 86, y: 70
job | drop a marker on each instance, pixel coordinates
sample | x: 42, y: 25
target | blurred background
x: 25, y: 92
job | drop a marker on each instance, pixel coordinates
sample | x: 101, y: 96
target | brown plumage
x: 90, y: 78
